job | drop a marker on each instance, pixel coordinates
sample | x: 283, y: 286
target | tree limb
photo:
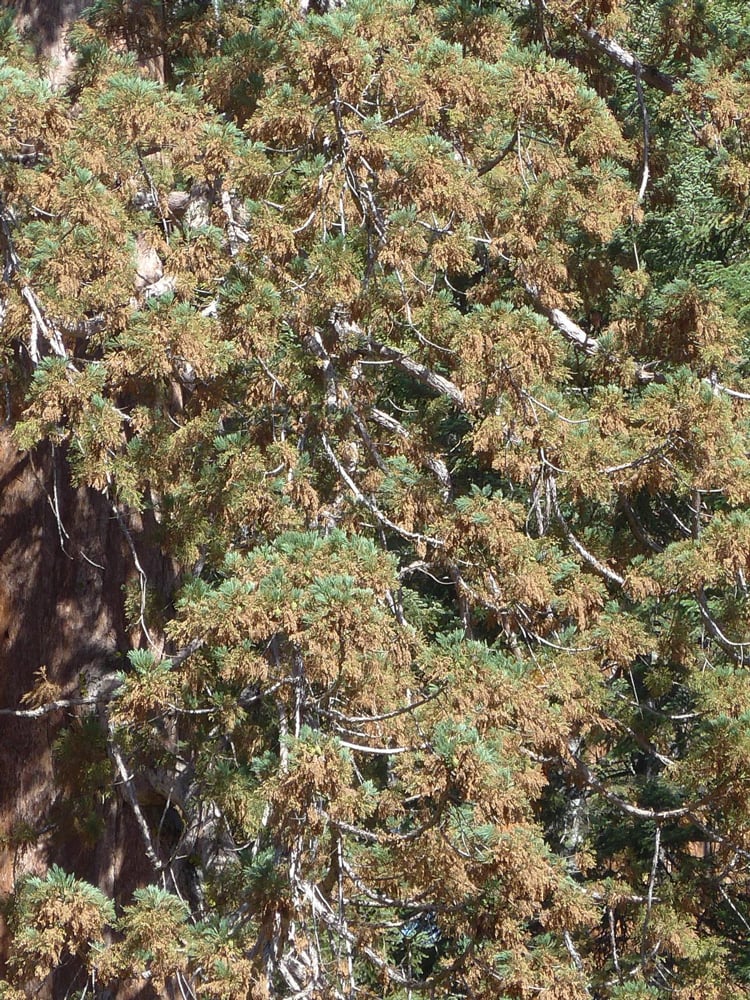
x: 51, y: 706
x: 583, y: 552
x: 562, y: 322
x: 129, y: 794
x: 651, y: 75
x: 650, y: 896
x: 594, y: 783
x: 438, y: 383
x: 371, y: 505
x: 646, y: 134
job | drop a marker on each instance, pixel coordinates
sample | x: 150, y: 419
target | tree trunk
x: 65, y: 562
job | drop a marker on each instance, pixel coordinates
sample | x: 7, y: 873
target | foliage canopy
x: 420, y: 332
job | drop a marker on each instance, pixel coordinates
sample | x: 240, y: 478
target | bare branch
x: 650, y: 895
x: 646, y: 135
x: 38, y: 322
x: 314, y: 343
x: 322, y: 909
x: 370, y: 504
x: 129, y: 794
x: 735, y: 649
x: 390, y: 423
x: 175, y: 659
x: 562, y: 322
x: 381, y: 751
x: 493, y: 162
x: 651, y: 75
x: 49, y: 707
x: 143, y: 579
x: 613, y: 940
x: 438, y: 383
x: 583, y: 552
x: 103, y: 690
x: 637, y: 528
x: 734, y: 393
x: 594, y: 783
x: 575, y: 956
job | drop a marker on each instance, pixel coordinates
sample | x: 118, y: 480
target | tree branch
x: 596, y: 785
x: 51, y: 706
x: 562, y: 322
x: 735, y: 649
x: 128, y: 793
x: 438, y: 383
x: 646, y: 135
x: 371, y: 506
x: 651, y: 75
x: 583, y: 552
x: 650, y: 896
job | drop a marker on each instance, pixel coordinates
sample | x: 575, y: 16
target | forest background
x: 375, y: 493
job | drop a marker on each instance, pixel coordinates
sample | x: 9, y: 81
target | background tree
x: 411, y: 339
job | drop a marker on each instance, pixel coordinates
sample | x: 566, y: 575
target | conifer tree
x: 419, y: 332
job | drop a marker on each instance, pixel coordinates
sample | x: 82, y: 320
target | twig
x: 650, y: 895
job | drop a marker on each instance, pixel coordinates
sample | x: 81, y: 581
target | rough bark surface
x: 47, y: 23
x: 61, y: 608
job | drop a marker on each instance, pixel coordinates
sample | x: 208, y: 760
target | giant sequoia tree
x: 418, y: 334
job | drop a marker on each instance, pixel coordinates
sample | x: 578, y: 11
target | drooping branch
x: 490, y: 164
x: 323, y: 910
x: 637, y: 528
x: 436, y: 465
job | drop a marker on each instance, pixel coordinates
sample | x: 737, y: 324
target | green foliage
x: 370, y: 322
x: 55, y: 915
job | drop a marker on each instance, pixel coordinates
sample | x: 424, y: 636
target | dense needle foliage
x: 420, y: 330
